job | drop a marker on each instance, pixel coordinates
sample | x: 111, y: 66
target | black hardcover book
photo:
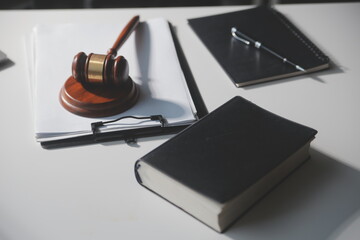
x: 218, y: 167
x: 246, y: 64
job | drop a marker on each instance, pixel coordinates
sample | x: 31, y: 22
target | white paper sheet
x: 153, y: 63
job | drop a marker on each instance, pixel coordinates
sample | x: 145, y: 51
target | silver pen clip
x: 233, y: 32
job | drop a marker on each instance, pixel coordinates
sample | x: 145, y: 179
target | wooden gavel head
x: 100, y: 85
x: 104, y: 70
x: 101, y: 70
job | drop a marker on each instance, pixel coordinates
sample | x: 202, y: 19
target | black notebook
x: 218, y: 167
x: 248, y: 65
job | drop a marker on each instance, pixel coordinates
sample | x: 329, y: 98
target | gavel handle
x: 124, y: 35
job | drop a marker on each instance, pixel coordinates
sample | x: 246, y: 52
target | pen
x: 247, y: 40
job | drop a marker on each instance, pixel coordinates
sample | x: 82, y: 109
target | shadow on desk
x: 6, y: 64
x: 321, y: 200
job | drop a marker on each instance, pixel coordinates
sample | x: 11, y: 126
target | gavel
x: 104, y: 70
x: 100, y: 84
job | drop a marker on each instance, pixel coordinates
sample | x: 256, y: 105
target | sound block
x: 99, y: 101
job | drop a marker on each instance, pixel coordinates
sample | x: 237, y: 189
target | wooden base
x: 97, y: 101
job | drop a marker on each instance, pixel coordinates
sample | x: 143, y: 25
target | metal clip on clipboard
x: 96, y: 125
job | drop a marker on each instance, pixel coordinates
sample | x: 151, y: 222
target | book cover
x: 246, y: 64
x: 219, y: 166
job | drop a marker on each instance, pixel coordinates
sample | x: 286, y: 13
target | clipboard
x: 131, y: 135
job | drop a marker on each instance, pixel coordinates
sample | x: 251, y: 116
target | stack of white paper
x: 153, y: 63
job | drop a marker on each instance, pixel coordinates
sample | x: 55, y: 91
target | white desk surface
x: 90, y: 192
